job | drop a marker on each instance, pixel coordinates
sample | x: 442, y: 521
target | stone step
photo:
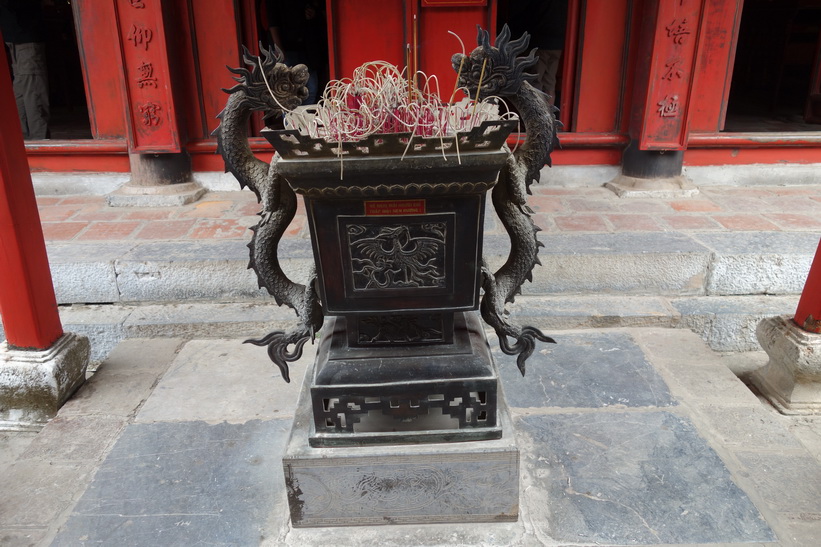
x: 726, y: 323
x: 671, y: 264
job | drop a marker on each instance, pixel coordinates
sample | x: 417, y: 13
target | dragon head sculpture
x: 270, y: 85
x: 499, y: 68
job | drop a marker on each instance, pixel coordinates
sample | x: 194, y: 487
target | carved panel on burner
x: 398, y: 255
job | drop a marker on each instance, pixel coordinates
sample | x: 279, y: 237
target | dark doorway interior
x: 69, y: 112
x: 776, y: 67
x: 67, y: 101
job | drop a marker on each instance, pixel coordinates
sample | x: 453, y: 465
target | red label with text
x: 395, y: 207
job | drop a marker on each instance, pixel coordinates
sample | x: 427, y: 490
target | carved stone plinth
x: 474, y: 481
x: 791, y: 380
x: 35, y: 384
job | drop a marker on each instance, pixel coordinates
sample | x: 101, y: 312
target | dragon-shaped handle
x: 502, y: 73
x: 269, y: 86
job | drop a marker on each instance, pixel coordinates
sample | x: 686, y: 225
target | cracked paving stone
x: 586, y: 370
x: 185, y: 483
x: 633, y: 478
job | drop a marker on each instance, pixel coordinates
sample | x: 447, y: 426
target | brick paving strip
x: 228, y: 215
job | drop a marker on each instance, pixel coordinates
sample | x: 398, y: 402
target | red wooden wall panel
x: 714, y: 64
x: 214, y: 54
x: 97, y: 40
x: 436, y: 45
x: 603, y: 34
x: 354, y: 43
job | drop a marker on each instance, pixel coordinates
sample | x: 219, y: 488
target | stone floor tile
x: 168, y: 229
x: 218, y: 229
x: 584, y: 370
x: 22, y: 537
x: 185, y: 483
x: 749, y: 427
x: 58, y: 213
x: 84, y: 200
x: 638, y: 205
x: 794, y: 204
x: 633, y: 223
x: 796, y: 221
x: 801, y: 530
x: 125, y: 380
x: 12, y: 444
x: 587, y: 205
x: 546, y: 204
x: 62, y: 231
x: 95, y: 213
x: 745, y: 222
x: 248, y: 209
x: 48, y: 201
x: 111, y: 394
x: 36, y: 492
x: 807, y: 429
x: 694, y: 205
x: 150, y: 213
x: 109, y: 230
x: 789, y: 483
x: 708, y: 385
x: 581, y: 223
x: 746, y: 203
x: 142, y: 356
x: 75, y: 439
x: 691, y: 222
x: 217, y: 380
x: 619, y: 478
x: 210, y: 207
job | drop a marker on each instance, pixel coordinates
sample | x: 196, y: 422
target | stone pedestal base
x: 791, y: 380
x: 35, y: 384
x: 665, y: 188
x: 388, y: 394
x: 170, y: 195
x: 158, y: 180
x: 474, y: 481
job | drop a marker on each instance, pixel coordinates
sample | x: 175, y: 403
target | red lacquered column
x: 808, y: 314
x: 27, y: 300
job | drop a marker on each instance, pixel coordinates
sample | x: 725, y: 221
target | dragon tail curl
x: 278, y: 342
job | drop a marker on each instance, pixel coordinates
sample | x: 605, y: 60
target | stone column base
x: 169, y: 195
x: 791, y: 380
x: 35, y: 384
x: 158, y: 180
x: 665, y: 188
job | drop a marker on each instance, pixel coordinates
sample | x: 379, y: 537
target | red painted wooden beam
x: 27, y: 300
x: 808, y: 314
